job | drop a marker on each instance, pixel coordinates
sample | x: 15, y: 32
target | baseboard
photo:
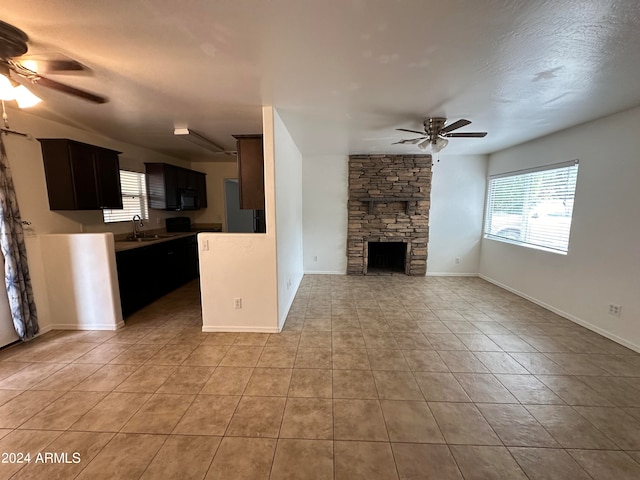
x: 325, y: 272
x: 567, y: 315
x: 451, y: 274
x: 235, y: 328
x: 99, y: 326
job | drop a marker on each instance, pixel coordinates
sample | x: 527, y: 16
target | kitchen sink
x: 149, y: 238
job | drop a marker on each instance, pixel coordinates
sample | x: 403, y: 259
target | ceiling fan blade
x: 466, y: 134
x: 412, y: 140
x: 43, y: 65
x: 455, y: 125
x: 61, y: 87
x: 410, y: 131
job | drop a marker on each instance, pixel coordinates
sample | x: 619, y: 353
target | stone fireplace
x: 388, y: 214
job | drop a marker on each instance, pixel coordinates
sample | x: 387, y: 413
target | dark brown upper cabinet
x: 80, y: 176
x: 250, y: 171
x: 166, y: 183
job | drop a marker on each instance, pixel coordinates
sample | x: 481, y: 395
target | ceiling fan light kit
x: 435, y: 136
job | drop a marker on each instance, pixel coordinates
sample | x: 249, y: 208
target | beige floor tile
x: 137, y: 355
x: 412, y: 341
x: 252, y: 339
x: 310, y: 418
x: 424, y: 361
x: 440, y: 387
x: 350, y: 359
x: 29, y: 376
x: 516, y: 427
x: 315, y: 339
x: 147, y: 379
x: 65, y: 411
x: 354, y: 384
x: 529, y: 390
x: 410, y: 422
x: 397, y: 386
x: 606, y: 465
x: 573, y: 391
x: 387, y: 359
x: 25, y: 442
x: 284, y: 339
x: 184, y: 457
x: 106, y: 378
x: 463, y: 424
x: 68, y: 377
x: 24, y: 406
x: 462, y: 362
x: 617, y: 390
x: 538, y: 364
x: 269, y: 382
x: 548, y: 464
x: 159, y: 415
x: 484, y: 388
x: 277, y: 357
x: 511, y: 343
x: 480, y: 463
x: 243, y: 459
x: 364, y: 461
x: 500, y: 362
x: 207, y: 415
x: 569, y: 428
x: 6, y: 395
x: 111, y: 413
x: 241, y: 356
x: 257, y: 417
x: 445, y: 341
x: 427, y: 462
x: 206, y: 355
x: 576, y: 364
x: 308, y: 459
x: 358, y: 420
x: 379, y: 340
x: 348, y: 339
x: 9, y: 368
x: 171, y: 355
x: 110, y: 463
x: 433, y: 326
x: 82, y: 446
x: 187, y: 380
x: 220, y: 338
x: 228, y: 381
x: 315, y: 383
x: 620, y: 427
x: 313, y: 358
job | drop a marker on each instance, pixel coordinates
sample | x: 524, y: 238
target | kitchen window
x: 134, y: 199
x: 532, y: 207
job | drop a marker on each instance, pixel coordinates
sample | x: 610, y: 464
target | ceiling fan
x: 16, y: 70
x: 436, y: 134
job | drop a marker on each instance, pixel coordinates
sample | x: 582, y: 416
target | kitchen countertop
x: 122, y: 245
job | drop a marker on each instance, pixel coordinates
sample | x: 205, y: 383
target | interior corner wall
x: 458, y: 185
x: 603, y: 263
x: 289, y: 244
x: 216, y: 172
x: 325, y: 191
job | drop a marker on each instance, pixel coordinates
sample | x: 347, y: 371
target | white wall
x: 455, y: 218
x: 603, y: 263
x: 216, y: 172
x: 325, y: 191
x: 288, y: 183
x: 243, y: 265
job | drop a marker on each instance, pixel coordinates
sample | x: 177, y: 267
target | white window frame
x: 530, y: 219
x: 134, y: 199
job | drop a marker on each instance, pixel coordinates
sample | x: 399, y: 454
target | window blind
x: 134, y: 199
x: 533, y: 207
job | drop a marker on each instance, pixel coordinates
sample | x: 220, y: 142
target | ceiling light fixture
x: 198, y: 139
x: 10, y: 90
x: 433, y: 147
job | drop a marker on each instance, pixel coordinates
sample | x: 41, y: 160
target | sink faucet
x: 137, y: 220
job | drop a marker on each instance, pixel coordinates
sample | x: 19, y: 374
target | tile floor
x: 372, y: 378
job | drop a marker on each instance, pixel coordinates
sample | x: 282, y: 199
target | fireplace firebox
x: 386, y: 257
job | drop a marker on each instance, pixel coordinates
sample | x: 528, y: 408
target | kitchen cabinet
x: 80, y: 176
x: 148, y: 272
x: 166, y: 181
x: 250, y: 171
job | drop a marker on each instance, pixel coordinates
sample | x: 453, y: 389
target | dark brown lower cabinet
x: 147, y: 273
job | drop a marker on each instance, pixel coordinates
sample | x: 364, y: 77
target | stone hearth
x: 388, y: 202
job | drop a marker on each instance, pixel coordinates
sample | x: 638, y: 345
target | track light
x: 198, y: 139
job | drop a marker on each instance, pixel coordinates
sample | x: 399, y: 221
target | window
x: 532, y: 207
x: 134, y: 199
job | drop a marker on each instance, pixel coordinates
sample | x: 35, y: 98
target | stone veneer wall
x: 389, y: 176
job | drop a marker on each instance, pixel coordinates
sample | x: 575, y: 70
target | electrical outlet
x: 205, y: 245
x: 158, y: 221
x: 615, y: 310
x: 315, y: 258
x: 457, y: 260
x: 288, y: 284
x: 237, y: 302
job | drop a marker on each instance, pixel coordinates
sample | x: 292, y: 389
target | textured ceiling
x: 343, y: 73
